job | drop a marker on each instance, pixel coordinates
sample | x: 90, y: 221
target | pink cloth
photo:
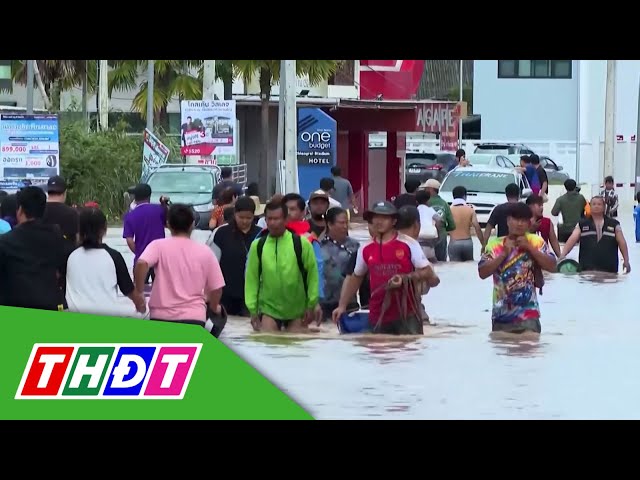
x: 186, y: 271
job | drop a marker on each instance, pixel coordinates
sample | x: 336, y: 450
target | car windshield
x: 419, y: 159
x: 497, y: 149
x: 474, y: 181
x: 181, y: 182
x: 481, y: 159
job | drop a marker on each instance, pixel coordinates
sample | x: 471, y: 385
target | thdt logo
x: 108, y: 371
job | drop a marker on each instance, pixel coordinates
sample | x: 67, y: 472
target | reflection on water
x: 583, y: 365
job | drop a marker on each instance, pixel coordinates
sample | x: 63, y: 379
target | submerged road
x: 583, y: 366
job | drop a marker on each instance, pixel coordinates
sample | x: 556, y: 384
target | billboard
x: 29, y: 150
x: 317, y: 148
x: 154, y: 153
x: 208, y: 133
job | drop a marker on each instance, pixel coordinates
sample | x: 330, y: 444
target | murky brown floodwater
x: 584, y: 365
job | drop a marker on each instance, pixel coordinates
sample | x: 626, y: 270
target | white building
x: 550, y: 104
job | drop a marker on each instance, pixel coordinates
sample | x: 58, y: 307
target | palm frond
x: 123, y: 75
x: 186, y: 87
x: 139, y: 102
x: 316, y: 70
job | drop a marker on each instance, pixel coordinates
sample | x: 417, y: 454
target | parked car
x: 491, y: 159
x: 504, y: 149
x: 189, y: 184
x: 554, y: 171
x: 424, y: 166
x: 485, y: 187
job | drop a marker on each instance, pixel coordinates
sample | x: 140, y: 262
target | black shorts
x: 282, y: 324
x: 563, y: 235
x: 532, y: 325
x: 409, y: 326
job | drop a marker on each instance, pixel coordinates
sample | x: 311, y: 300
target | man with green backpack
x: 281, y: 281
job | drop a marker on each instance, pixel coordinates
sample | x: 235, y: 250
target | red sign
x: 202, y: 149
x: 390, y: 79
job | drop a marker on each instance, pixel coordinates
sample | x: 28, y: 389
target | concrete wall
x: 528, y: 109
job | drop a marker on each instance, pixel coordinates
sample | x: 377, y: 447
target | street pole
x: 578, y: 139
x: 150, y: 86
x: 609, y: 119
x: 209, y: 80
x: 280, y: 141
x: 290, y: 129
x: 30, y: 87
x: 103, y: 94
x: 461, y: 90
x: 637, y: 182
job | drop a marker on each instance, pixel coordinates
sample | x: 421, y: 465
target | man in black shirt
x: 58, y: 213
x: 542, y: 175
x: 498, y: 217
x: 226, y: 181
x: 33, y: 257
x: 409, y: 198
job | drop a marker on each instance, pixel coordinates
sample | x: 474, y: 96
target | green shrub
x: 101, y: 166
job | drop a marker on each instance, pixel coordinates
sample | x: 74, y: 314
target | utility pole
x: 30, y: 87
x: 280, y: 142
x: 578, y: 123
x: 209, y: 80
x: 461, y: 97
x: 290, y: 129
x: 637, y: 182
x: 103, y: 95
x: 609, y: 118
x: 150, y: 86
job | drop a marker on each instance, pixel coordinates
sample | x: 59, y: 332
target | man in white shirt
x: 429, y: 223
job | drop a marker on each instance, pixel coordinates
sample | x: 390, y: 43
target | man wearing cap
x: 390, y: 259
x: 318, y: 205
x: 144, y: 224
x: 442, y: 208
x: 58, y: 212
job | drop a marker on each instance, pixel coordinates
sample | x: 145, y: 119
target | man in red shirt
x: 393, y: 262
x: 542, y: 225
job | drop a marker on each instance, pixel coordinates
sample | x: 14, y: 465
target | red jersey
x: 545, y: 228
x: 398, y: 256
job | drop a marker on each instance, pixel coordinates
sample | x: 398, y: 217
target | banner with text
x: 154, y: 153
x: 208, y: 133
x: 30, y: 150
x: 55, y: 362
x: 317, y: 148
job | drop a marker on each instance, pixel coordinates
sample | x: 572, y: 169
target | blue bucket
x: 354, y: 322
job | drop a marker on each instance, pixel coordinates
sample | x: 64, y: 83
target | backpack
x: 297, y: 247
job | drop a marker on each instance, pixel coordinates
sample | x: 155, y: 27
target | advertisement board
x: 154, y: 153
x: 317, y: 148
x: 208, y: 133
x: 29, y: 150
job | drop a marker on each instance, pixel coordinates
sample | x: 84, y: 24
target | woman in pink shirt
x: 189, y: 282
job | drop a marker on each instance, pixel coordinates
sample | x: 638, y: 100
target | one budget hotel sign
x: 108, y: 371
x: 317, y: 146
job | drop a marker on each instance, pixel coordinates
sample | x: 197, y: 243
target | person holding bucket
x: 394, y: 263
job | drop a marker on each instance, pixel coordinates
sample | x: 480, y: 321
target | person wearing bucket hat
x: 393, y: 262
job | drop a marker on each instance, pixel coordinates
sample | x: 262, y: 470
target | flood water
x: 584, y: 365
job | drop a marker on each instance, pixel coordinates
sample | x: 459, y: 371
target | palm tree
x: 56, y: 76
x: 173, y: 78
x: 268, y: 72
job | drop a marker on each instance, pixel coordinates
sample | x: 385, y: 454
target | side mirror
x: 526, y: 192
x: 560, y: 167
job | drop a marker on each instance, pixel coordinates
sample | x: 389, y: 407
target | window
x: 534, y: 68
